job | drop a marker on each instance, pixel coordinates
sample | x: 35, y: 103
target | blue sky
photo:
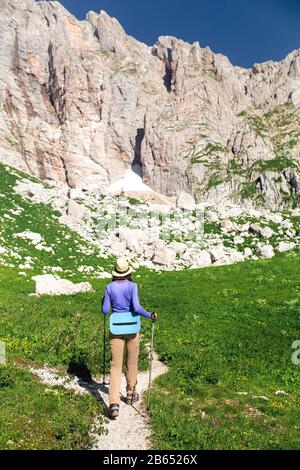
x: 247, y: 31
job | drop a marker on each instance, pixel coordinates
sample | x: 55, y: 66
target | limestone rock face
x: 81, y: 103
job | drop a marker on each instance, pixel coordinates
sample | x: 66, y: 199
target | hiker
x: 122, y: 296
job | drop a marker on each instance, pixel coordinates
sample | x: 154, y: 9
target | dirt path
x: 130, y: 431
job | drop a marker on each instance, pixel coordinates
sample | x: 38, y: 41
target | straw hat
x: 122, y: 268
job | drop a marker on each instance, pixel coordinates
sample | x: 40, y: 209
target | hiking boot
x: 132, y: 397
x: 114, y: 410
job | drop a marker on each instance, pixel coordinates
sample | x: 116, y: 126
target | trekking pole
x: 150, y: 368
x: 104, y: 351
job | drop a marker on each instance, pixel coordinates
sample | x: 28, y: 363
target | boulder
x: 286, y: 223
x: 238, y: 240
x: 34, y: 238
x: 276, y: 218
x: 103, y: 275
x: 185, y: 201
x: 216, y: 253
x: 266, y: 232
x: 290, y: 233
x: 164, y: 256
x: 134, y: 246
x: 228, y: 225
x: 2, y: 250
x: 126, y: 234
x: 133, y: 238
x: 188, y: 255
x: 233, y: 211
x: 265, y: 251
x: 234, y: 256
x: 49, y: 284
x: 25, y: 266
x: 284, y: 246
x: 35, y: 191
x: 118, y: 247
x: 42, y: 247
x: 247, y: 252
x: 178, y: 247
x: 78, y: 211
x: 202, y: 259
x: 211, y: 216
x: 244, y: 228
x: 255, y: 229
x: 148, y: 264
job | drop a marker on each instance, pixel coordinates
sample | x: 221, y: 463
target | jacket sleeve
x: 105, y: 302
x: 137, y: 308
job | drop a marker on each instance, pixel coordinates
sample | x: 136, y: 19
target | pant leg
x: 133, y: 346
x: 117, y: 348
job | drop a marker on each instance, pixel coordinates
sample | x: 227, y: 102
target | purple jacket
x: 122, y: 296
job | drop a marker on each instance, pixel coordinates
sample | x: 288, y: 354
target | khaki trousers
x: 117, y: 349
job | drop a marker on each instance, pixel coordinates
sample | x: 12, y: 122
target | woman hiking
x: 122, y: 296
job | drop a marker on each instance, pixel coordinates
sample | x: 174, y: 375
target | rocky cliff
x: 81, y: 102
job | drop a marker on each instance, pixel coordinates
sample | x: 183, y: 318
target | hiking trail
x: 130, y: 431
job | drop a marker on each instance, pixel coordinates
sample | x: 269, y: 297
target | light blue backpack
x: 124, y: 323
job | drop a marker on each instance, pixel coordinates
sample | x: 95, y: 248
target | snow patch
x: 129, y: 182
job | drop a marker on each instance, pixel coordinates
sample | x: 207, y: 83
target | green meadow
x: 225, y: 333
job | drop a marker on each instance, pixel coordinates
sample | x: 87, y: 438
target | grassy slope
x: 222, y: 331
x: 68, y: 247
